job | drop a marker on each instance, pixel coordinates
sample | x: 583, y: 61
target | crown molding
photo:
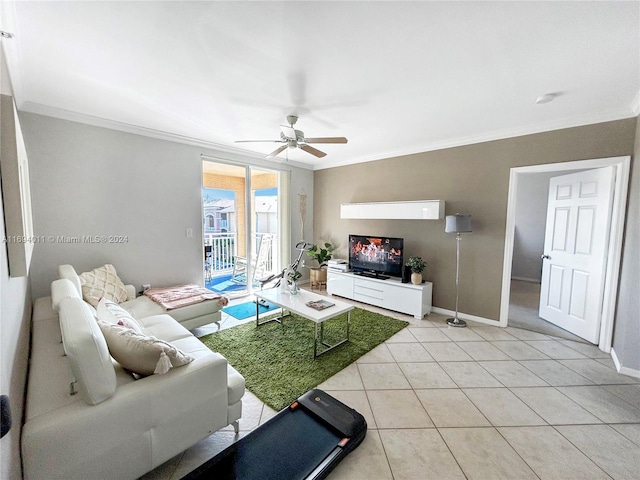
x: 215, y: 149
x: 225, y: 151
x: 603, y: 117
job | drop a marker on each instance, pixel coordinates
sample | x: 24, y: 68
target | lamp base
x: 456, y: 322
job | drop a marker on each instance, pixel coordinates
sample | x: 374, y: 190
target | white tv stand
x: 391, y: 294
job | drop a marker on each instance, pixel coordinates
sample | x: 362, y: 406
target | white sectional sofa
x: 190, y: 317
x: 115, y: 426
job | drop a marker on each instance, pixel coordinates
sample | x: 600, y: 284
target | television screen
x: 376, y: 255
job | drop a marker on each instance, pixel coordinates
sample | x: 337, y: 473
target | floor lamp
x: 457, y: 224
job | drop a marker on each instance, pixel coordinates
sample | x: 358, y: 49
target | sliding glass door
x: 242, y: 225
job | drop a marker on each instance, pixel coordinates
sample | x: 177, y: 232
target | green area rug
x: 277, y: 360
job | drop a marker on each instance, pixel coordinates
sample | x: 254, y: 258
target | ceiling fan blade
x: 326, y: 140
x: 277, y: 151
x: 262, y: 141
x: 312, y: 151
x: 288, y: 132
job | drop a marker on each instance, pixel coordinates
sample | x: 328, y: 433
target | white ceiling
x: 392, y: 77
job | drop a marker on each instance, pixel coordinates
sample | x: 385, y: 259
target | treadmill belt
x: 276, y: 453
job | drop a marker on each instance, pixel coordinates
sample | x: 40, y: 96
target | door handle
x: 543, y: 257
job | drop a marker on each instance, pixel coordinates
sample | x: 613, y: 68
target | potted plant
x: 318, y: 275
x: 417, y: 266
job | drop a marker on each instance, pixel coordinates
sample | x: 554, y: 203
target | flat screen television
x: 376, y: 257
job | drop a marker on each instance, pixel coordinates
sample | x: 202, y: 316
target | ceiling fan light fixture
x: 292, y: 138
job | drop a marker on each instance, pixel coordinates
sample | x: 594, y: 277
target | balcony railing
x: 224, y: 250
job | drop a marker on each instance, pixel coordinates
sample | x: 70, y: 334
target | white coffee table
x: 297, y: 304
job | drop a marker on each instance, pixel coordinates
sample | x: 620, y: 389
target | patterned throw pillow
x: 102, y: 282
x: 111, y: 312
x: 142, y: 354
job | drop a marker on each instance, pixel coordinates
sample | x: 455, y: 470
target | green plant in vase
x: 417, y: 266
x: 322, y: 255
x: 318, y: 276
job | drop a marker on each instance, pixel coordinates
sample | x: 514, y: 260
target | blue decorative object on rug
x: 248, y: 309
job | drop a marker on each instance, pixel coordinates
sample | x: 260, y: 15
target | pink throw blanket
x: 182, y: 295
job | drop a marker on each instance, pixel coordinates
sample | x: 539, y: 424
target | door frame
x: 284, y: 217
x: 622, y: 168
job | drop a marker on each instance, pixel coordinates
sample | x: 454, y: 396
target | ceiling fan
x: 292, y: 138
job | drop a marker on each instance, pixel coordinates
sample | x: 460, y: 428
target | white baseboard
x: 466, y: 316
x: 624, y: 370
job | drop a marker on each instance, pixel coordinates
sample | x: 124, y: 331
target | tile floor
x: 476, y: 403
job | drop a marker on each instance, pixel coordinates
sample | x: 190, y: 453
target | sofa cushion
x: 69, y: 273
x: 61, y: 289
x: 102, y: 282
x: 111, y: 312
x: 140, y: 353
x: 87, y: 351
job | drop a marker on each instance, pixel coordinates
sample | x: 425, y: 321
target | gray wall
x: 531, y: 210
x: 471, y: 179
x: 530, y: 225
x: 626, y: 333
x: 93, y: 181
x: 15, y: 315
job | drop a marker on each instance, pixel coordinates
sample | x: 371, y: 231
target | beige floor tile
x: 502, y: 408
x: 554, y: 373
x: 555, y: 407
x: 419, y: 454
x: 268, y: 413
x: 629, y: 430
x: 550, y: 455
x: 630, y: 393
x: 446, y: 352
x: 555, y: 350
x: 398, y: 409
x: 356, y: 399
x: 380, y: 354
x: 512, y: 374
x: 494, y: 333
x: 429, y: 334
x: 588, y: 350
x: 483, y: 454
x: 203, y: 451
x: 611, y: 451
x: 252, y: 408
x: 519, y: 350
x: 382, y: 376
x: 164, y: 471
x: 367, y: 462
x: 403, y: 336
x: 347, y: 379
x: 603, y: 404
x: 469, y: 374
x: 526, y: 334
x: 597, y: 372
x: 451, y: 408
x: 483, y: 351
x: 462, y: 334
x: 409, y: 352
x: 426, y: 375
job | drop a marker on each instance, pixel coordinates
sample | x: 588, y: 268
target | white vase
x: 295, y: 290
x: 416, y: 278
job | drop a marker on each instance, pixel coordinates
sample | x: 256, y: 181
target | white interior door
x: 575, y: 251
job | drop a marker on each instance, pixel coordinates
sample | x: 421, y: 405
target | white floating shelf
x: 409, y: 210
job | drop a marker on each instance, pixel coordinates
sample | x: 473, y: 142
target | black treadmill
x: 304, y: 441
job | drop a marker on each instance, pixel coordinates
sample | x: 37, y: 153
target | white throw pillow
x: 102, y: 282
x: 142, y: 354
x: 111, y: 312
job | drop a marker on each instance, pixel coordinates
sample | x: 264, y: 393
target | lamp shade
x: 458, y: 223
